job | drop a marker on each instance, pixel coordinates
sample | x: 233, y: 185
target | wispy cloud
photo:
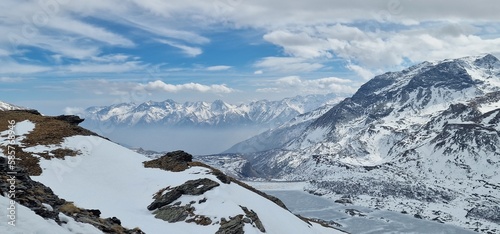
x: 362, y: 72
x: 287, y: 64
x: 218, y: 68
x: 322, y: 85
x: 187, y: 50
x: 103, y: 67
x: 159, y: 85
x: 6, y: 79
x: 16, y: 68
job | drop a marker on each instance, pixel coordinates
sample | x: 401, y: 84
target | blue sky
x: 61, y: 56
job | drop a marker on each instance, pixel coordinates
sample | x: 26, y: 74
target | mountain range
x: 206, y: 114
x: 423, y: 141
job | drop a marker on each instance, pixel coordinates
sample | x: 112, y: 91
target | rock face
x: 254, y: 218
x: 232, y: 226
x: 172, y: 161
x: 46, y: 204
x: 191, y: 187
x: 71, y: 119
x: 427, y: 136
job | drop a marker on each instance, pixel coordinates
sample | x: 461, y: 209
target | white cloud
x: 287, y: 64
x: 299, y: 44
x: 362, y: 72
x: 89, y: 31
x: 310, y: 86
x: 17, y: 68
x: 218, y: 68
x: 383, y: 49
x: 103, y: 67
x: 74, y: 110
x: 187, y: 50
x: 370, y: 35
x: 258, y: 72
x: 159, y: 85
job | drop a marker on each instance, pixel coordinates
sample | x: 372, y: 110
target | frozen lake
x: 373, y: 221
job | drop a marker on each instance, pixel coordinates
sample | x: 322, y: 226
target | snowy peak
x: 489, y: 61
x: 6, y: 106
x: 204, y: 114
x: 434, y: 124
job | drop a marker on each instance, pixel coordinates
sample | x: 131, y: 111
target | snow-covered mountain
x: 67, y: 179
x: 425, y: 140
x: 6, y: 106
x: 205, y: 114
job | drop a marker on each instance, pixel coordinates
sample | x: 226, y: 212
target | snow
x: 373, y: 221
x: 122, y: 187
x: 412, y: 143
x: 27, y: 222
x: 6, y: 106
x: 24, y: 127
x: 218, y: 113
x: 20, y: 130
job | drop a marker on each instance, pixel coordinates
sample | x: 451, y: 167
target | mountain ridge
x: 434, y: 124
x: 206, y: 114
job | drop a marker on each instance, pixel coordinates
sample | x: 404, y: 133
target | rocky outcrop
x: 191, y: 187
x: 254, y: 218
x: 232, y: 226
x: 46, y: 204
x: 490, y: 213
x: 174, y: 213
x: 71, y: 119
x: 173, y: 161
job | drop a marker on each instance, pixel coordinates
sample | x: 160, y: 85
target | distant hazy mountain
x: 206, y: 114
x: 425, y: 140
x: 6, y: 106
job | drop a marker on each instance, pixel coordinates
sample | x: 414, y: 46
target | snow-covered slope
x: 32, y: 223
x: 215, y: 114
x: 276, y: 138
x: 95, y: 173
x: 6, y: 106
x: 425, y: 140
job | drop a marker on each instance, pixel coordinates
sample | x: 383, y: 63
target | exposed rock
x: 173, y: 161
x: 490, y: 213
x: 233, y: 226
x: 344, y: 200
x: 202, y: 200
x: 190, y: 187
x: 254, y: 218
x: 200, y: 220
x: 71, y: 119
x: 354, y: 212
x: 46, y: 204
x: 174, y: 214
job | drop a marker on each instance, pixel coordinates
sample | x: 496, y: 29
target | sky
x: 61, y: 56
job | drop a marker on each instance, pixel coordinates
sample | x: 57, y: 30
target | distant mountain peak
x: 205, y: 114
x: 435, y: 124
x: 6, y: 106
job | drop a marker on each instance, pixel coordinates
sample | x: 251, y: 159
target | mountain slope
x: 168, y: 195
x: 6, y: 106
x: 204, y: 114
x: 425, y: 140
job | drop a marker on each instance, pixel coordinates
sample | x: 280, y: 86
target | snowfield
x: 111, y: 178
